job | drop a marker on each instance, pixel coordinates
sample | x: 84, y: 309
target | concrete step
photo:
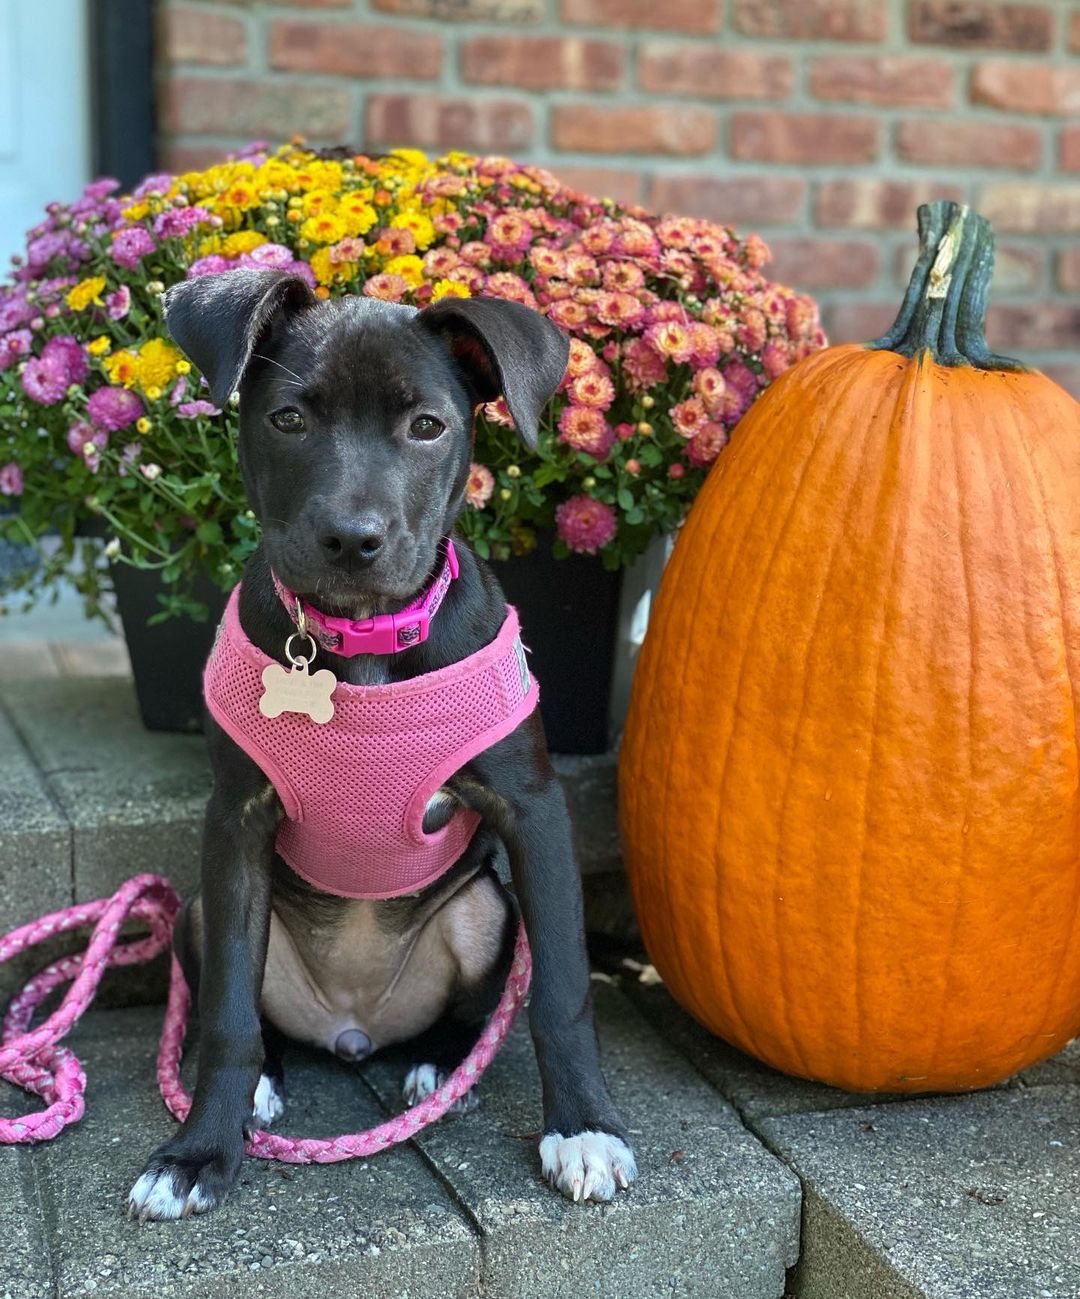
x: 949, y: 1197
x: 460, y: 1212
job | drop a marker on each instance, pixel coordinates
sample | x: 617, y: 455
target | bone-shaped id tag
x: 298, y: 690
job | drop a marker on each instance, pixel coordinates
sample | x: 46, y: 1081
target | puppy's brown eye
x: 425, y: 428
x: 288, y: 420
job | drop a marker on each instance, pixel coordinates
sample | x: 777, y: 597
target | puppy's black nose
x: 356, y: 541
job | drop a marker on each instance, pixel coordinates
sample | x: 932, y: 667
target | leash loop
x: 34, y: 1060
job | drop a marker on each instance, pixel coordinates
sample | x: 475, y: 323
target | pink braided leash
x: 35, y: 1061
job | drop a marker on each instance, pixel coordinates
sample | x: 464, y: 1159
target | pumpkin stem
x: 944, y: 308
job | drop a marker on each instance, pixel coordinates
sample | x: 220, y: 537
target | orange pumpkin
x: 849, y: 780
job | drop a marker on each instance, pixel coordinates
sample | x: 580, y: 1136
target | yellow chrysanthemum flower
x: 423, y: 232
x: 241, y: 241
x: 324, y: 268
x: 324, y: 229
x: 143, y: 425
x: 100, y: 345
x: 449, y: 289
x: 357, y: 213
x: 409, y: 267
x: 157, y: 364
x: 86, y: 292
x: 136, y: 211
x: 122, y: 368
x: 317, y: 201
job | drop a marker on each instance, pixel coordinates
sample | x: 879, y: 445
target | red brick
x: 621, y: 184
x: 823, y: 263
x: 542, y: 62
x: 877, y: 204
x: 804, y: 137
x: 1069, y: 149
x: 663, y: 15
x: 858, y: 322
x: 1068, y: 376
x: 243, y: 107
x: 764, y: 200
x: 1017, y: 268
x: 1026, y: 87
x: 667, y: 68
x: 890, y: 81
x: 652, y: 128
x: 195, y: 36
x: 192, y: 157
x: 1031, y: 327
x: 969, y: 144
x: 1068, y: 269
x: 981, y: 24
x: 496, y: 11
x: 354, y: 50
x: 438, y: 122
x: 833, y: 20
x: 1029, y: 208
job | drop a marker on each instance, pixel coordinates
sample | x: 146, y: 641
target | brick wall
x: 820, y: 123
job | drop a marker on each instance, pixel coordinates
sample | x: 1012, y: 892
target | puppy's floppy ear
x: 217, y: 319
x: 503, y: 348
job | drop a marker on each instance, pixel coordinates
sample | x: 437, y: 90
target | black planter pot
x: 569, y: 611
x: 167, y: 658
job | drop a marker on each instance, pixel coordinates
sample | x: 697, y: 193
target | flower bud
x: 513, y: 471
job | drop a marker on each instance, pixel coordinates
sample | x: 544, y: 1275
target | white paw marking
x: 155, y: 1195
x: 423, y: 1079
x: 269, y: 1102
x: 588, y: 1166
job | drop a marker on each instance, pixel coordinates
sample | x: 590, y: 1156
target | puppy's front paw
x: 588, y: 1166
x: 269, y: 1103
x: 175, y: 1185
x: 423, y: 1079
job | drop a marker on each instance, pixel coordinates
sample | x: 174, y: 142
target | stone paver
x: 712, y: 1213
x: 384, y: 1227
x: 134, y: 798
x: 24, y: 1257
x: 973, y: 1197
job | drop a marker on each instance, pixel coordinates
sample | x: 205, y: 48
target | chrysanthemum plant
x: 105, y: 428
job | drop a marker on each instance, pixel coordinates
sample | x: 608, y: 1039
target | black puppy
x: 355, y: 443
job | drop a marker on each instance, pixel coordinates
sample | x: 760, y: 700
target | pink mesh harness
x: 355, y: 789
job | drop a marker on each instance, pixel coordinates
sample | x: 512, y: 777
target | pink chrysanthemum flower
x: 69, y: 357
x: 637, y: 240
x: 705, y: 341
x: 439, y: 262
x: 497, y: 412
x: 505, y: 284
x: 569, y: 314
x: 623, y: 277
x: 193, y: 409
x: 448, y: 224
x: 86, y: 441
x: 11, y: 479
x: 130, y: 246
x: 113, y: 409
x: 689, y: 417
x: 214, y: 264
x: 775, y: 358
x: 710, y: 387
x: 670, y: 339
x: 585, y: 429
x: 675, y: 232
x: 582, y: 269
x: 479, y: 486
x: 176, y: 222
x: 14, y: 346
x: 622, y: 310
x: 585, y: 524
x: 118, y: 303
x: 509, y: 234
x: 582, y: 359
x: 705, y: 446
x: 44, y: 380
x: 386, y: 286
x: 599, y: 238
x: 642, y: 366
x: 593, y: 389
x: 395, y: 241
x: 753, y: 331
x: 548, y: 261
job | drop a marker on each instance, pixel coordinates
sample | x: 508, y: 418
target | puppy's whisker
x: 263, y: 357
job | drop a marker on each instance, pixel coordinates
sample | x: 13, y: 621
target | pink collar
x: 386, y: 633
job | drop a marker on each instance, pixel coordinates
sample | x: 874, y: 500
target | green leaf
x: 209, y: 533
x: 625, y: 498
